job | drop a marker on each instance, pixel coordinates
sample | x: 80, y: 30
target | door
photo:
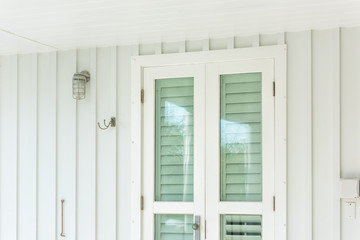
x: 240, y: 150
x: 209, y: 151
x: 174, y: 153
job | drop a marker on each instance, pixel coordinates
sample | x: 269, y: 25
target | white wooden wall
x: 51, y: 149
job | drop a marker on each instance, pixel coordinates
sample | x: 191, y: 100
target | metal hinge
x: 274, y: 89
x: 142, y: 95
x: 142, y: 203
x: 274, y: 203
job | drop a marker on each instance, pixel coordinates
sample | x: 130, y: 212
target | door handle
x: 196, y: 228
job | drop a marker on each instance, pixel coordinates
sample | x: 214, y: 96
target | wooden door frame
x: 278, y: 54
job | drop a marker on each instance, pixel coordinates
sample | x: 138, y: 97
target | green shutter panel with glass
x: 174, y: 160
x: 174, y: 135
x: 240, y: 126
x: 240, y: 150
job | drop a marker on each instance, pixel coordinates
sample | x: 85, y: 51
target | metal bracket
x: 112, y: 123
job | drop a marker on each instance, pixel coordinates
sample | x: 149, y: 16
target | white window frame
x: 278, y: 55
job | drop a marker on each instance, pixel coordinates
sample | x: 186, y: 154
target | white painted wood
x: 279, y: 55
x: 197, y: 207
x: 194, y: 45
x: 122, y: 23
x: 147, y: 49
x: 27, y: 147
x: 214, y: 207
x: 350, y: 53
x: 158, y: 48
x: 241, y: 208
x: 124, y: 142
x: 281, y: 144
x: 172, y: 47
x: 66, y: 144
x: 326, y: 138
x: 243, y: 41
x: 219, y: 44
x: 8, y: 148
x: 211, y: 56
x: 231, y: 43
x: 47, y: 135
x: 174, y: 208
x: 206, y: 45
x: 47, y: 158
x: 182, y: 46
x: 299, y: 135
x: 106, y: 152
x: 86, y: 142
x: 350, y: 113
x: 269, y: 39
x: 255, y: 41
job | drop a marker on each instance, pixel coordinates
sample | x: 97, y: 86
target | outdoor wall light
x: 79, y: 84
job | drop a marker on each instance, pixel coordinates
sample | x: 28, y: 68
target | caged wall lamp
x: 79, y: 84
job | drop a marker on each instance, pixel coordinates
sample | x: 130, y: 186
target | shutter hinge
x: 274, y: 89
x: 142, y: 203
x: 274, y: 203
x: 142, y: 95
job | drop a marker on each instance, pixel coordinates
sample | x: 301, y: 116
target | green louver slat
x: 241, y: 227
x: 174, y: 140
x: 241, y: 137
x: 173, y: 227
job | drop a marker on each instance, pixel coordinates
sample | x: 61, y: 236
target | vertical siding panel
x: 206, y: 45
x: 124, y: 142
x: 231, y: 43
x: 171, y: 47
x: 243, y: 41
x: 106, y: 170
x: 269, y: 39
x: 47, y: 146
x: 326, y: 137
x: 66, y: 145
x: 158, y: 48
x: 27, y: 147
x: 350, y: 102
x: 350, y: 118
x: 86, y: 131
x: 218, y: 44
x: 147, y: 49
x: 8, y: 147
x: 299, y: 136
x: 255, y: 41
x: 194, y: 46
x: 182, y: 47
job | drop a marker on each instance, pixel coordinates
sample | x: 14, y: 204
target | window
x: 209, y: 135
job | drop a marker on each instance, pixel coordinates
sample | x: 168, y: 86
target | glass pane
x: 174, y: 133
x: 240, y: 227
x: 240, y: 126
x: 173, y: 227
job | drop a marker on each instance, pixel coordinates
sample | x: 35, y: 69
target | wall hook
x: 112, y: 123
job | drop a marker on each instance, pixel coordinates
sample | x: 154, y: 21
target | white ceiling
x: 45, y: 25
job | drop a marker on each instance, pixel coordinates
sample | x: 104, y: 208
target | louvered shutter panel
x: 174, y: 133
x: 173, y: 227
x: 241, y: 168
x: 241, y: 227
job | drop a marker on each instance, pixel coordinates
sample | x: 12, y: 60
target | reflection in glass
x: 174, y: 139
x: 241, y: 138
x: 241, y: 227
x: 173, y: 227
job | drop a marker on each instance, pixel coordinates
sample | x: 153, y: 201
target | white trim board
x: 278, y: 54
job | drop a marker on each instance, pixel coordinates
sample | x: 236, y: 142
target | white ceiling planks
x: 67, y: 24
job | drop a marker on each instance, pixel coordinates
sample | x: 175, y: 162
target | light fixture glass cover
x: 79, y: 84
